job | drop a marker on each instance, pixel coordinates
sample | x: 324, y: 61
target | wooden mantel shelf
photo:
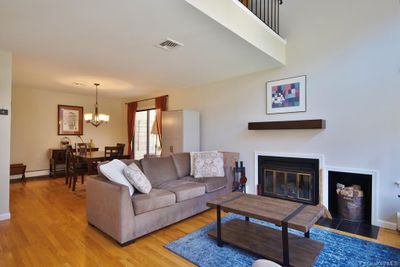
x: 287, y: 125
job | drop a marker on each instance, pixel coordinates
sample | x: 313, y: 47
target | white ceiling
x: 58, y: 42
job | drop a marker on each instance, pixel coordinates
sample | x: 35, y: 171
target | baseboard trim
x: 29, y: 174
x: 388, y: 225
x: 5, y: 216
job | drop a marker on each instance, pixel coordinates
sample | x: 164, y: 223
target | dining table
x: 93, y: 157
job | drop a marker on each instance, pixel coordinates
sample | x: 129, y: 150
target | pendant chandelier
x: 96, y: 119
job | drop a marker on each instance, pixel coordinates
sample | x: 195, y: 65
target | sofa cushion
x: 159, y: 170
x: 184, y: 189
x: 182, y: 164
x: 212, y: 183
x: 156, y: 199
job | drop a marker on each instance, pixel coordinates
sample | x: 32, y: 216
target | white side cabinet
x: 180, y: 131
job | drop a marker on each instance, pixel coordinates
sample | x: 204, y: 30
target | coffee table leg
x: 307, y: 234
x: 219, y: 233
x: 285, y: 245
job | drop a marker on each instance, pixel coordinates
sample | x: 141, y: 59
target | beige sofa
x: 175, y: 196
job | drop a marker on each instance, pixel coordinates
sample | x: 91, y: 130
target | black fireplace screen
x: 288, y: 184
x: 288, y: 179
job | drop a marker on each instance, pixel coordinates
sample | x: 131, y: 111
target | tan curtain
x: 161, y: 105
x: 132, y: 107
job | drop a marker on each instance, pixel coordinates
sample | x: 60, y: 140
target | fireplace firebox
x: 295, y: 179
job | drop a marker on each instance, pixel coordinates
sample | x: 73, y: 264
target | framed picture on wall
x: 286, y: 95
x: 70, y: 120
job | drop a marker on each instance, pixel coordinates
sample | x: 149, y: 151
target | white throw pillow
x: 209, y: 164
x: 114, y: 171
x: 192, y: 154
x: 137, y: 178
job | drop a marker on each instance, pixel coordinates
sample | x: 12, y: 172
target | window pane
x: 305, y: 186
x: 154, y: 142
x: 268, y: 181
x: 291, y: 184
x: 146, y: 134
x: 280, y: 187
x: 140, y: 134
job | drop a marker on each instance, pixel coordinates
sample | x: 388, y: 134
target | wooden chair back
x: 121, y: 148
x: 82, y: 148
x: 71, y: 160
x: 111, y: 152
x: 74, y: 168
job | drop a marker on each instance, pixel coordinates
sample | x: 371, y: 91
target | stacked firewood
x: 349, y: 191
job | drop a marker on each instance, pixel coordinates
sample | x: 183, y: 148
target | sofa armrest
x: 109, y: 208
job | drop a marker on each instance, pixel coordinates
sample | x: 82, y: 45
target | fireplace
x: 295, y: 179
x: 349, y: 179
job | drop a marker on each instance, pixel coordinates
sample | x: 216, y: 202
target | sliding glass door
x: 146, y: 141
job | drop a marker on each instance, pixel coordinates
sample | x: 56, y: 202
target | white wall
x: 5, y: 124
x: 350, y: 52
x: 34, y: 125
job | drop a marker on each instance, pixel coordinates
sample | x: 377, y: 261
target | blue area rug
x: 339, y: 250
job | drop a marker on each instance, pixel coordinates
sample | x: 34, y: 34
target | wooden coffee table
x: 265, y: 241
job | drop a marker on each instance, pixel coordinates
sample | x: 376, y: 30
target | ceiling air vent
x: 169, y: 45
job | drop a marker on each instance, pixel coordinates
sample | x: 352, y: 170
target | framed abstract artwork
x: 286, y: 95
x: 70, y: 120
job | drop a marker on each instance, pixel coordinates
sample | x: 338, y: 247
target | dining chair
x: 75, y: 168
x: 111, y: 152
x: 81, y: 148
x: 121, y: 148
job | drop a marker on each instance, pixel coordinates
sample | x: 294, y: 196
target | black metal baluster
x: 275, y: 11
x: 267, y: 9
x: 272, y: 14
x: 279, y: 3
x: 264, y: 12
x: 276, y: 16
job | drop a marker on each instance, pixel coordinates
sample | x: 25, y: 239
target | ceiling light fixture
x: 96, y: 119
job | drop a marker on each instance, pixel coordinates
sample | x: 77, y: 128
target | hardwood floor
x: 49, y: 228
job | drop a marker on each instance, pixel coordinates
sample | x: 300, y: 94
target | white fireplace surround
x: 324, y: 170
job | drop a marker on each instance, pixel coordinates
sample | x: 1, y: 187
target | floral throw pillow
x: 193, y: 154
x: 210, y: 164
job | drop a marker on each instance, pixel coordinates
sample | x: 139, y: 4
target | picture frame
x: 70, y: 120
x: 287, y: 95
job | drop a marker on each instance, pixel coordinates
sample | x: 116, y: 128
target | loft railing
x: 266, y: 10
